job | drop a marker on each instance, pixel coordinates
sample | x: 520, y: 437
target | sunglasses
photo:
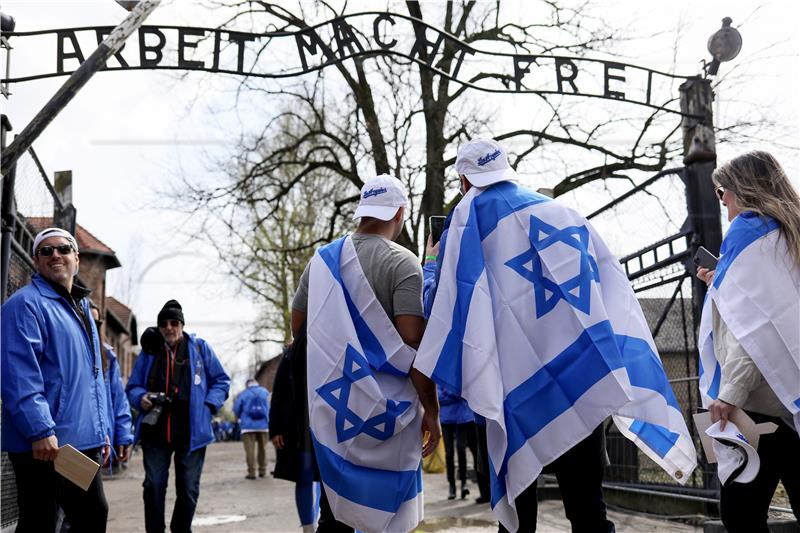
x: 47, y: 251
x: 170, y: 323
x: 98, y: 322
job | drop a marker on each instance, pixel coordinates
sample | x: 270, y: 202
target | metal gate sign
x: 286, y: 54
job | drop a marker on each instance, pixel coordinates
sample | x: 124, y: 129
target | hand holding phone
x: 705, y: 259
x: 436, y: 224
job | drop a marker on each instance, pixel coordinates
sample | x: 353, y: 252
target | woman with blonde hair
x: 750, y: 331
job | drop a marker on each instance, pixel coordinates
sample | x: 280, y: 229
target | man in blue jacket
x: 178, y: 383
x: 52, y: 389
x: 117, y: 408
x: 252, y: 410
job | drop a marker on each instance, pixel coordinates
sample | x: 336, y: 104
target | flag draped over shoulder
x: 756, y: 291
x: 364, y: 412
x: 537, y: 327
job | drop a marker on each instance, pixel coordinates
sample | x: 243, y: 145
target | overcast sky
x: 128, y: 135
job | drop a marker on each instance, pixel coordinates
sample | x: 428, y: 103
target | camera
x: 159, y: 400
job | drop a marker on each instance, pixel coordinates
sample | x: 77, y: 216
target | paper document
x: 75, y: 466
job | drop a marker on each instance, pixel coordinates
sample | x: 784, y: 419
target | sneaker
x: 249, y: 476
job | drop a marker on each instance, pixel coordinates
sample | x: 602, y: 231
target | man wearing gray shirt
x: 395, y: 276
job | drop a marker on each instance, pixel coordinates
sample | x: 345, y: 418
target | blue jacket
x: 453, y: 409
x: 52, y: 383
x: 118, y: 408
x: 210, y: 385
x: 253, y: 400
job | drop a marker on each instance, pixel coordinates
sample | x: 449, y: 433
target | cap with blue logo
x: 381, y: 197
x: 737, y: 459
x: 484, y: 162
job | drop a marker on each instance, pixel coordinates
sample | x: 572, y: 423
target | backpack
x: 256, y: 409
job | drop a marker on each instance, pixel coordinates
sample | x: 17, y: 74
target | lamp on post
x: 724, y: 45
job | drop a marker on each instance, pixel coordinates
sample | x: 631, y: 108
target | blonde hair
x: 761, y: 186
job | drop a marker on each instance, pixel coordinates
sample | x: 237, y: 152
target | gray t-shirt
x: 393, y: 272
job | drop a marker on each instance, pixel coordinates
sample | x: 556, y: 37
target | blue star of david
x: 575, y: 236
x: 348, y: 423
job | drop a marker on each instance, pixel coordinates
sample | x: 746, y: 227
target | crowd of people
x: 515, y: 339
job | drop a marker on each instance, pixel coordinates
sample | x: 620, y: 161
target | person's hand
x: 106, y: 451
x: 277, y: 441
x: 431, y: 427
x: 123, y: 453
x: 146, y: 403
x: 431, y: 250
x: 45, y: 449
x: 706, y: 275
x: 721, y: 410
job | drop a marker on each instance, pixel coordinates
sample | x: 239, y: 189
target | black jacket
x: 288, y: 413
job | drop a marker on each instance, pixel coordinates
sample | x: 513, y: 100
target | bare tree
x: 386, y: 114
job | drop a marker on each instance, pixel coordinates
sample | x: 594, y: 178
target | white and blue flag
x: 535, y: 324
x: 364, y: 412
x: 756, y: 291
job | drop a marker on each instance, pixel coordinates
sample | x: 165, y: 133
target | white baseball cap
x: 483, y: 162
x: 381, y: 197
x: 737, y: 460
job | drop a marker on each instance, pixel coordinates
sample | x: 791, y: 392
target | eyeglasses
x: 98, y: 322
x: 170, y: 323
x: 47, y: 251
x: 720, y: 192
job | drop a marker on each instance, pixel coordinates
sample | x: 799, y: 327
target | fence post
x: 8, y: 215
x: 703, y: 211
x: 699, y: 158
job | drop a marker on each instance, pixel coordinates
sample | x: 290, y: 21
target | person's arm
x: 740, y: 375
x: 237, y: 405
x: 122, y: 410
x: 298, y: 319
x: 411, y: 328
x: 136, y: 388
x: 426, y: 390
x: 218, y: 381
x: 22, y: 384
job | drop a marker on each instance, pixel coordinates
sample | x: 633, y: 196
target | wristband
x: 430, y: 258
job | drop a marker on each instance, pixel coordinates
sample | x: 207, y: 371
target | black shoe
x: 482, y: 499
x: 452, y: 494
x: 262, y: 474
x: 464, y: 490
x: 249, y: 476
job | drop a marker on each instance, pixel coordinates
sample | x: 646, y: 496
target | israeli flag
x: 756, y: 291
x: 364, y: 412
x: 536, y: 325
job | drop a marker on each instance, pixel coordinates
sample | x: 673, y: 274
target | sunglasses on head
x: 47, y: 251
x: 720, y: 192
x: 170, y: 323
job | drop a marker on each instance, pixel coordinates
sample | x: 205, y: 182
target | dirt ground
x: 231, y: 503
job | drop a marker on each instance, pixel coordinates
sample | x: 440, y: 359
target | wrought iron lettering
x: 352, y: 36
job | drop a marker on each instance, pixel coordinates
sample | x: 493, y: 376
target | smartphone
x: 437, y: 227
x: 704, y: 258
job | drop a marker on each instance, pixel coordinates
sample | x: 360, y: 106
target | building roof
x: 123, y: 316
x: 87, y: 243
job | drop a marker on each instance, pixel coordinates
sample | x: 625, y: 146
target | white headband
x: 53, y: 232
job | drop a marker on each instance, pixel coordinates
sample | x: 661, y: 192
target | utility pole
x: 76, y: 81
